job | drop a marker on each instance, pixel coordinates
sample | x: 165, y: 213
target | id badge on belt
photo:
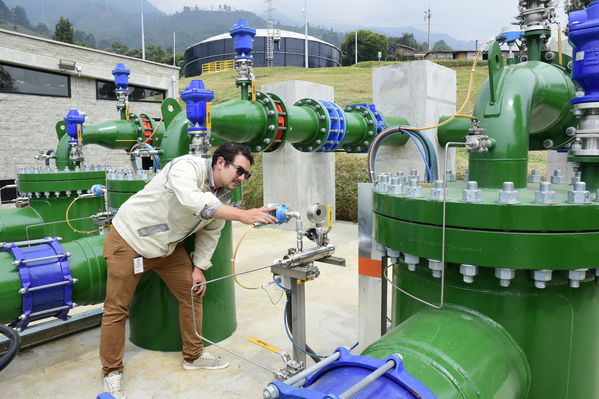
x: 138, y: 265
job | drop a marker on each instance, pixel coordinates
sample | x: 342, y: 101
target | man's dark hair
x: 230, y: 150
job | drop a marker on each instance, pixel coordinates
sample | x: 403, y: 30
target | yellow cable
x: 127, y: 113
x: 66, y: 216
x: 235, y: 256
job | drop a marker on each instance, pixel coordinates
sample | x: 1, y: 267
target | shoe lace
x: 209, y: 356
x: 114, y: 383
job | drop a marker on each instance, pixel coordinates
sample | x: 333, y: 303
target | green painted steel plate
x: 58, y: 181
x: 491, y: 248
x: 125, y: 186
x: 489, y: 215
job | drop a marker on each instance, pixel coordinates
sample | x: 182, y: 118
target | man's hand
x: 258, y: 215
x: 197, y: 277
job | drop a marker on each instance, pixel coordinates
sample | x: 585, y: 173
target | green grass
x: 352, y: 85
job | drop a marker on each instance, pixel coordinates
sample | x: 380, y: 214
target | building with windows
x: 272, y: 47
x: 41, y: 79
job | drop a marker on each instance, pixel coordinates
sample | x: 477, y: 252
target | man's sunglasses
x: 241, y: 171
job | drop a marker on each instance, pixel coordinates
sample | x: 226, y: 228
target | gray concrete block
x: 421, y: 92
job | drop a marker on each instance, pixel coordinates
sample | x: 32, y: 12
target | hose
x: 14, y: 341
x: 66, y: 216
x: 235, y: 257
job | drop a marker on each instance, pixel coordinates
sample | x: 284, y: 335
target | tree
x: 154, y: 53
x: 118, y: 48
x: 42, y: 29
x: 369, y: 44
x: 441, y: 46
x: 5, y: 15
x: 63, y: 31
x: 19, y: 17
x: 85, y: 39
x: 573, y: 5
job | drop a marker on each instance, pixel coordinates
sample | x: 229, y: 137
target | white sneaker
x: 113, y: 384
x: 206, y: 361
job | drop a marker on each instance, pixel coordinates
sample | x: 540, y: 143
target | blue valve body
x: 280, y: 213
x: 243, y: 37
x: 196, y: 97
x: 72, y: 120
x: 584, y: 36
x: 121, y: 77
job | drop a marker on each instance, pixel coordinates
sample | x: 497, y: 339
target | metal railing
x: 217, y: 66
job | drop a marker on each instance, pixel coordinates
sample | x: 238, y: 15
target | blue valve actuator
x: 279, y: 213
x: 584, y: 36
x: 121, y: 77
x: 196, y: 96
x: 243, y: 37
x: 72, y: 120
x: 509, y: 37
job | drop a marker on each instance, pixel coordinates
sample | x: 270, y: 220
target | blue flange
x: 336, y: 132
x: 121, y: 77
x: 584, y: 36
x: 337, y: 377
x: 45, y: 277
x: 196, y: 97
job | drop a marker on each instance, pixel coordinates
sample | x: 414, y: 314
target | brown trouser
x: 175, y: 270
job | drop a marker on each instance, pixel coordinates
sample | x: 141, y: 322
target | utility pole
x: 356, y: 47
x: 174, y: 52
x: 306, y: 33
x: 427, y: 15
x: 143, y: 39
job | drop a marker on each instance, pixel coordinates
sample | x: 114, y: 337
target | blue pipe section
x: 335, y: 378
x: 46, y: 280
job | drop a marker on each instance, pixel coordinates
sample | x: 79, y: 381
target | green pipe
x: 589, y: 173
x: 303, y: 123
x: 458, y: 353
x: 395, y: 139
x: 453, y: 131
x: 46, y: 217
x: 238, y: 120
x: 531, y: 106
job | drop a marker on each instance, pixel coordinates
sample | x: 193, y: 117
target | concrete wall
x: 27, y: 121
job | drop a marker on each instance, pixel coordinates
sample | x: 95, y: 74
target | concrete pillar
x: 421, y: 92
x: 299, y: 179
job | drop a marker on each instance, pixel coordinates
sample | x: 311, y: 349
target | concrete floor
x: 70, y: 368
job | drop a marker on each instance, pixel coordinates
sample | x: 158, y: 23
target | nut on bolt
x: 414, y: 190
x: 576, y: 276
x: 508, y: 195
x: 557, y: 177
x: 412, y: 261
x: 437, y: 192
x: 534, y: 176
x: 579, y: 194
x: 436, y: 266
x: 270, y: 392
x: 393, y: 255
x: 505, y: 276
x: 545, y: 195
x: 541, y: 277
x: 471, y: 193
x: 468, y: 271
